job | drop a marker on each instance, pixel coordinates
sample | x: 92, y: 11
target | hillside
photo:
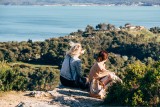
x: 134, y: 55
x: 118, y: 42
x: 48, y: 2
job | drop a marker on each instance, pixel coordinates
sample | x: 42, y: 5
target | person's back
x: 71, y: 72
x: 71, y: 68
x: 97, y: 71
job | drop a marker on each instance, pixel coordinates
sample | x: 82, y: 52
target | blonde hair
x: 75, y: 49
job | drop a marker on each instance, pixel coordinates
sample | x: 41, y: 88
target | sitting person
x: 100, y: 78
x: 71, y: 72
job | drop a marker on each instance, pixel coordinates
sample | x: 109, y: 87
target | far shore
x: 79, y: 4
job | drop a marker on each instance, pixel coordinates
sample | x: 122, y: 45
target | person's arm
x: 103, y: 68
x: 113, y: 75
x: 109, y: 72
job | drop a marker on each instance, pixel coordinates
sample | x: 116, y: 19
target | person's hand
x: 82, y: 52
x: 110, y: 72
x: 113, y: 73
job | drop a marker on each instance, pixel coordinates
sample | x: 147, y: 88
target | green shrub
x: 141, y: 86
x: 16, y: 78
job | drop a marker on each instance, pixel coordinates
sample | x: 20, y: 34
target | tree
x: 155, y: 30
x: 101, y: 26
x: 110, y: 27
x: 89, y: 29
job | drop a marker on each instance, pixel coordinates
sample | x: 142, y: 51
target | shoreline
x: 78, y: 4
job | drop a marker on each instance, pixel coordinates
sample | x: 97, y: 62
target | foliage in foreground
x: 141, y: 86
x: 26, y: 78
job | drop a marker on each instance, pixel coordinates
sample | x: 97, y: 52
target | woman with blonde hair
x: 71, y: 71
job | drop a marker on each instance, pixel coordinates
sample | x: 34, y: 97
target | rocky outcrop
x: 62, y: 97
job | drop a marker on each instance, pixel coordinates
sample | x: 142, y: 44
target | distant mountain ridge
x: 65, y: 2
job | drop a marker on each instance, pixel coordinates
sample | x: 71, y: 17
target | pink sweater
x: 97, y: 71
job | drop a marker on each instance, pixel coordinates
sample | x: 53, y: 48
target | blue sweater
x: 75, y: 64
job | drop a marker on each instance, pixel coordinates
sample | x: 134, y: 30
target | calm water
x: 19, y: 23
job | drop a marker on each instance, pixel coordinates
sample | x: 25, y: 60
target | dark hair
x: 103, y: 55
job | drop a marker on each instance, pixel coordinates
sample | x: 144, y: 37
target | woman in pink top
x: 99, y: 72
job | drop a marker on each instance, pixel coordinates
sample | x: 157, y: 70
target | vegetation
x: 134, y: 55
x: 141, y: 86
x: 22, y: 77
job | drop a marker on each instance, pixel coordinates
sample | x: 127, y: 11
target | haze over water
x: 20, y: 23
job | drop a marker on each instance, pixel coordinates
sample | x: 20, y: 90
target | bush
x: 141, y: 86
x: 17, y: 78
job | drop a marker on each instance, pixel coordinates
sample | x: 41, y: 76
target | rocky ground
x: 59, y: 97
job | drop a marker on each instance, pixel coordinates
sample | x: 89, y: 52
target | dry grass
x: 13, y: 98
x: 32, y: 65
x: 6, y: 93
x: 158, y: 38
x: 145, y: 32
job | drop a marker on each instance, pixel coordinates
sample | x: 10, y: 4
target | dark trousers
x: 83, y: 84
x: 68, y: 83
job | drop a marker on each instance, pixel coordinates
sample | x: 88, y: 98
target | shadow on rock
x: 76, y: 102
x: 73, y: 92
x: 72, y: 97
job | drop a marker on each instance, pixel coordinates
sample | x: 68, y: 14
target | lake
x: 20, y: 23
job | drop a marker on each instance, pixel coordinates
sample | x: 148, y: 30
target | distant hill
x: 47, y: 2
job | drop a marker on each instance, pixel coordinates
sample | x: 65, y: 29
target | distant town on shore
x: 82, y: 2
